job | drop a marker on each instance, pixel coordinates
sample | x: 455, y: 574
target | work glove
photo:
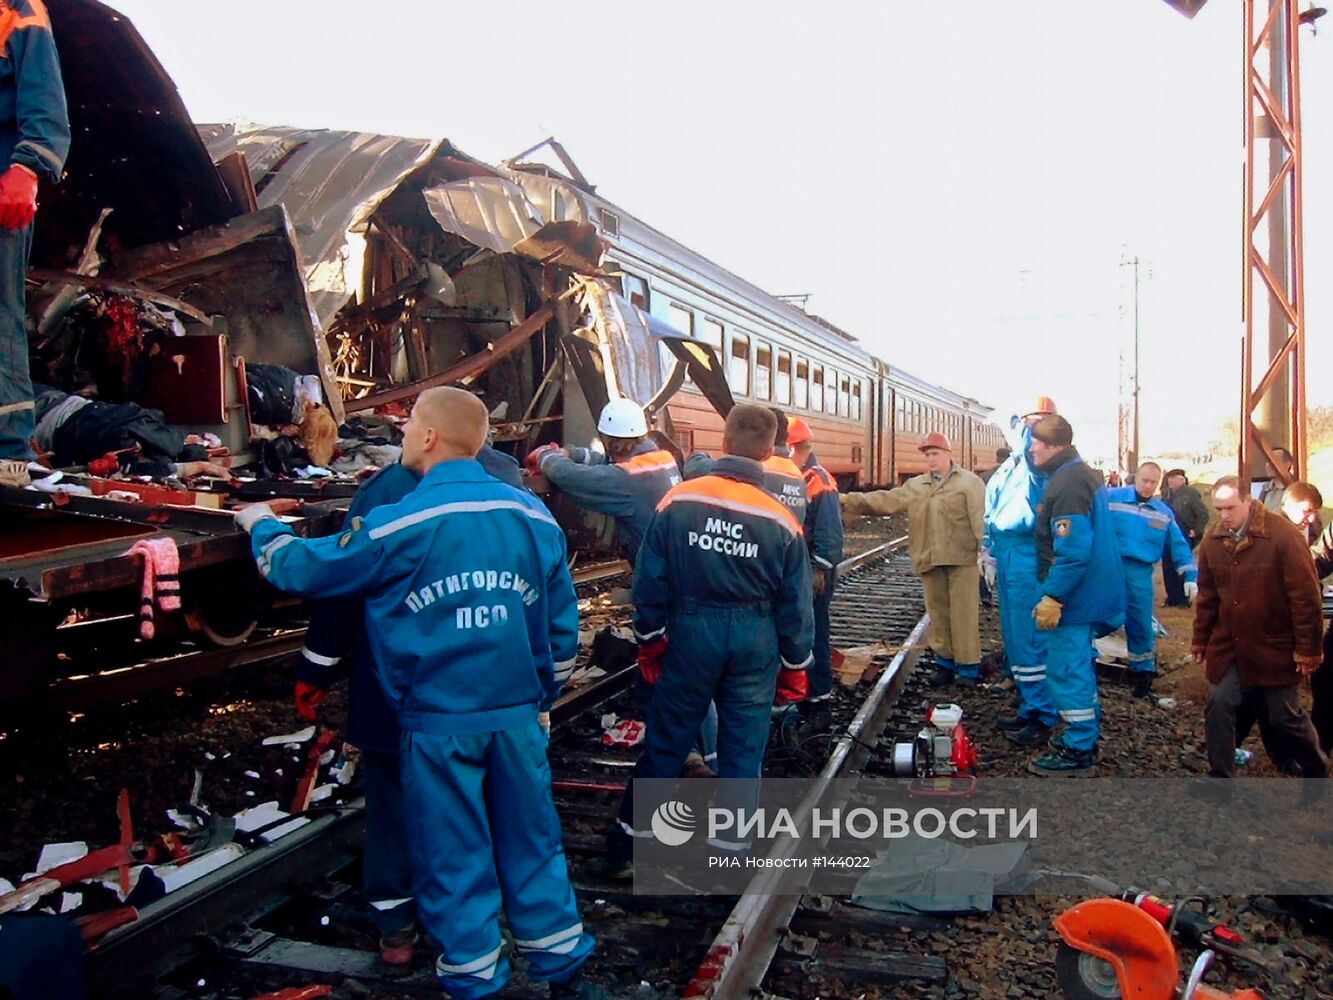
x: 309, y: 697
x: 651, y: 655
x: 18, y: 197
x: 793, y: 686
x: 1306, y: 665
x: 247, y: 519
x: 1198, y: 653
x: 988, y: 567
x: 1047, y: 612
x: 1191, y: 590
x: 533, y: 462
x: 818, y: 580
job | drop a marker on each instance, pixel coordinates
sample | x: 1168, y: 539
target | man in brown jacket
x: 1258, y: 624
x: 944, y: 528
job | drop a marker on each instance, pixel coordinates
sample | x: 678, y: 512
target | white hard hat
x: 622, y: 418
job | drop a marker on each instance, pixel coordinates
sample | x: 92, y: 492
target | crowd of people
x: 449, y: 596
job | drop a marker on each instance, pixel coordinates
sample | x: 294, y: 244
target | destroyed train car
x: 146, y: 239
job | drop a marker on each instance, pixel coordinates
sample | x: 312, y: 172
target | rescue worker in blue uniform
x: 473, y: 627
x: 722, y: 602
x: 34, y: 141
x: 1013, y: 494
x: 1146, y: 530
x: 1082, y: 589
x: 822, y: 528
x: 626, y: 483
x: 335, y: 631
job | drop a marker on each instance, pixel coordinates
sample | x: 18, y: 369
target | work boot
x: 611, y: 869
x: 816, y: 717
x: 696, y: 767
x: 1143, y: 684
x: 398, y: 947
x: 1063, y: 762
x: 577, y: 988
x: 941, y: 678
x: 967, y: 680
x: 1014, y: 724
x: 1034, y: 734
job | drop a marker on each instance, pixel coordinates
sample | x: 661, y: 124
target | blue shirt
x: 469, y: 605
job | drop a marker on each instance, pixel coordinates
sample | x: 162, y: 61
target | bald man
x: 473, y: 623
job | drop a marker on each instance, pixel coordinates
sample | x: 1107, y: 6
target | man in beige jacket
x: 944, y: 527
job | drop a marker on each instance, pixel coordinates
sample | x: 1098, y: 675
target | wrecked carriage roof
x: 330, y: 182
x: 134, y: 147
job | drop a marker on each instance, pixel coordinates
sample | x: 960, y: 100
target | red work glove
x: 309, y: 697
x: 18, y: 197
x: 534, y: 460
x: 793, y: 686
x: 651, y: 655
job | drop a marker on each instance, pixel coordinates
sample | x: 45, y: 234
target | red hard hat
x: 935, y: 440
x: 1044, y: 404
x: 798, y: 431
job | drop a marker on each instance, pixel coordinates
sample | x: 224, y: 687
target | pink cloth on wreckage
x: 161, y: 580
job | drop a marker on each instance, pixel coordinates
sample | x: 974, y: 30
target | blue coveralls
x: 1078, y: 563
x: 628, y: 491
x: 822, y: 528
x: 335, y: 630
x: 473, y: 626
x: 1013, y: 494
x: 34, y: 131
x: 723, y: 575
x: 1146, y: 530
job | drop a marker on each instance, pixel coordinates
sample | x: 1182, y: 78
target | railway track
x: 287, y: 912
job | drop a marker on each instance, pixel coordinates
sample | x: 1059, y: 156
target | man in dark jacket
x: 1082, y: 588
x: 1191, y: 515
x: 1258, y: 623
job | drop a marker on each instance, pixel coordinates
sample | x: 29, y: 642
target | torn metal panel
x: 703, y: 367
x: 135, y: 149
x: 331, y: 182
x: 246, y: 274
x: 488, y: 211
x: 624, y: 333
x: 496, y: 214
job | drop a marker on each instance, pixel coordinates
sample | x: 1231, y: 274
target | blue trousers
x: 724, y: 654
x: 1072, y: 683
x: 386, y: 872
x: 705, y: 740
x: 820, y: 676
x: 1025, y: 646
x: 16, y: 412
x: 1142, y: 640
x: 483, y: 833
x: 41, y: 958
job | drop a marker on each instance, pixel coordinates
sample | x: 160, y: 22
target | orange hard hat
x: 935, y: 440
x: 1044, y: 404
x: 798, y: 431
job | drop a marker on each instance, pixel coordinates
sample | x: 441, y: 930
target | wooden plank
x: 463, y: 371
x: 119, y: 288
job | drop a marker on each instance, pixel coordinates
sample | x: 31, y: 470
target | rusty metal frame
x: 1286, y: 292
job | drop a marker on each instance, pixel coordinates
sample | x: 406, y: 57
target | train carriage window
x: 845, y: 396
x: 817, y: 389
x: 711, y: 333
x: 831, y: 391
x: 782, y: 379
x: 802, y: 399
x: 856, y: 400
x: 763, y: 371
x: 681, y: 320
x: 636, y: 290
x: 738, y: 367
x: 900, y: 411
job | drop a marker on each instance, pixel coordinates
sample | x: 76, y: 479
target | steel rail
x: 870, y: 555
x: 741, y: 953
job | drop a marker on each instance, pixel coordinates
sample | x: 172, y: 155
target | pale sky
x: 956, y: 183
